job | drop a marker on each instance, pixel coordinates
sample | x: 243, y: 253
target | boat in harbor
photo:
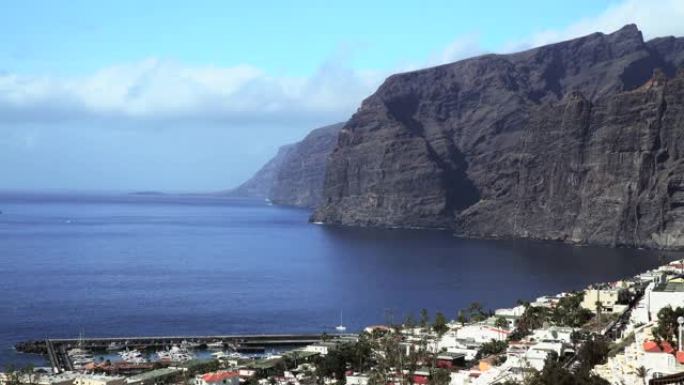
x: 132, y: 356
x: 187, y: 345
x: 220, y: 355
x: 216, y: 345
x: 80, y: 357
x: 115, y: 346
x: 77, y: 352
x: 175, y: 354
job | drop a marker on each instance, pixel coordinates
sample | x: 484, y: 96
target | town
x: 625, y: 332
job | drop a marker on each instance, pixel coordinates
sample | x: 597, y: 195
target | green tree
x: 667, y: 325
x: 355, y: 356
x: 461, y: 317
x: 440, y: 324
x: 28, y: 371
x: 532, y: 318
x: 410, y: 321
x: 592, y: 353
x: 424, y: 318
x: 555, y: 374
x: 625, y: 297
x: 492, y: 347
x: 439, y: 377
x: 569, y: 312
x: 12, y: 375
x: 476, y: 312
x: 501, y: 323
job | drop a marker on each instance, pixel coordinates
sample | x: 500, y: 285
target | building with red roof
x: 651, y: 347
x: 221, y: 377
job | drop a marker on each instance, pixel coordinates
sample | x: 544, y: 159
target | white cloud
x: 654, y: 19
x: 159, y: 89
x: 164, y: 89
x: 461, y: 48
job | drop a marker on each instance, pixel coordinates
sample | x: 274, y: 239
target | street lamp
x: 680, y: 321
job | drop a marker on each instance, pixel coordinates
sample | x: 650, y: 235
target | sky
x: 196, y: 96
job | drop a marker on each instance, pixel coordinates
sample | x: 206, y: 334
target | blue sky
x: 193, y: 96
x: 281, y: 37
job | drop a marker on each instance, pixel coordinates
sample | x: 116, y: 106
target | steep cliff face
x: 573, y: 141
x: 299, y: 180
x: 295, y: 175
x: 261, y: 183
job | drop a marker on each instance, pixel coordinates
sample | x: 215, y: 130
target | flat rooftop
x: 670, y: 287
x: 154, y: 374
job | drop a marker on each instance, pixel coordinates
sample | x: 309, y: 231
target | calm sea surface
x: 127, y: 265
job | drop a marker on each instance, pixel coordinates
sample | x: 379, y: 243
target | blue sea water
x: 132, y: 265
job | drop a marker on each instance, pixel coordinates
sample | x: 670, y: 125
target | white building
x: 511, y: 315
x: 98, y: 379
x: 669, y: 293
x: 536, y: 358
x: 322, y: 348
x: 357, y: 379
x: 553, y: 333
x: 481, y: 333
x: 451, y: 344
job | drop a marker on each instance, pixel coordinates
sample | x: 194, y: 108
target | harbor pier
x: 56, y: 348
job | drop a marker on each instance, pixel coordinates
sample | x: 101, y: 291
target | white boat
x: 175, y: 354
x: 77, y: 352
x: 132, y: 356
x: 81, y: 360
x: 220, y: 355
x: 137, y: 360
x: 185, y: 344
x: 217, y: 345
x: 115, y: 346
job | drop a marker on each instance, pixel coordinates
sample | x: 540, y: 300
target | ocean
x: 136, y: 265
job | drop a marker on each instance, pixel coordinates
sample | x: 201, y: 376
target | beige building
x: 608, y: 299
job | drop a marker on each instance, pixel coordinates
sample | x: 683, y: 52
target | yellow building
x: 608, y: 299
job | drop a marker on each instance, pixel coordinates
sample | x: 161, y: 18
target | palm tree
x: 502, y: 324
x: 29, y: 372
x: 461, y: 317
x: 642, y: 372
x: 424, y: 318
x: 12, y: 374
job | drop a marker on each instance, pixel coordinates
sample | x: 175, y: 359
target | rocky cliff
x: 577, y: 141
x: 260, y: 184
x: 295, y: 175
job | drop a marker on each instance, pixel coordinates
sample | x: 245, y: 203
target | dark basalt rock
x: 295, y: 175
x: 578, y: 141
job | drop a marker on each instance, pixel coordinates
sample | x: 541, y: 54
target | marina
x: 67, y: 354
